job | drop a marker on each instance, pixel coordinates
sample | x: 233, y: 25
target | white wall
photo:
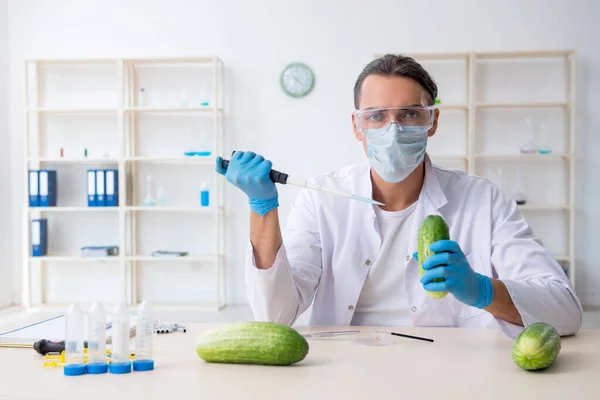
x: 310, y: 136
x: 6, y: 267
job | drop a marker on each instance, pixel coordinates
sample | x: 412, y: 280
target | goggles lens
x: 379, y: 118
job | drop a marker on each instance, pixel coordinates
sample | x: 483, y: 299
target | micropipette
x: 282, y: 178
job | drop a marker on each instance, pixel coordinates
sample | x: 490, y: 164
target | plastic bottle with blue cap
x: 97, y: 340
x: 120, y: 363
x: 74, y: 347
x: 144, y: 346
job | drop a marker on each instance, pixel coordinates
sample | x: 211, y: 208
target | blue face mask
x: 395, y: 152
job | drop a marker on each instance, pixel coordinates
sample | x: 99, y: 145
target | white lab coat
x: 330, y: 243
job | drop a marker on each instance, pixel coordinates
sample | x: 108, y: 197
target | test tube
x: 97, y: 340
x: 144, y: 360
x: 74, y: 352
x: 120, y: 363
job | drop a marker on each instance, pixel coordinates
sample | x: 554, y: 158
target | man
x: 354, y: 261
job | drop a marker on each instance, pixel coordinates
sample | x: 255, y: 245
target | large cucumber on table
x: 433, y: 228
x: 536, y: 347
x: 252, y: 342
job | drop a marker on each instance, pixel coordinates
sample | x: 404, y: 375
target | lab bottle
x: 519, y: 196
x: 97, y: 340
x: 120, y: 363
x: 74, y: 351
x: 144, y: 357
x: 161, y: 200
x: 148, y: 199
x: 203, y: 97
x: 528, y: 147
x: 545, y: 146
x: 204, y: 195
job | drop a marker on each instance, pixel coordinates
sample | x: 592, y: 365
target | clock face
x: 297, y: 80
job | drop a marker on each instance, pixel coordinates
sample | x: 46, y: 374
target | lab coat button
x: 368, y: 262
x: 350, y: 308
x: 413, y: 309
x: 407, y: 257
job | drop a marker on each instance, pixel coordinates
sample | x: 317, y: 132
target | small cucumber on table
x: 433, y: 228
x: 536, y: 347
x: 252, y: 342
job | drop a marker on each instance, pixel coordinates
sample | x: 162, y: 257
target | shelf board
x: 73, y: 209
x: 435, y: 158
x: 562, y: 258
x: 187, y: 60
x: 189, y: 258
x: 173, y: 109
x: 52, y: 258
x: 523, y: 54
x: 523, y: 105
x: 435, y: 56
x: 208, y: 160
x: 544, y: 207
x: 452, y: 106
x: 166, y: 209
x: 74, y: 160
x: 524, y: 157
x: 73, y: 110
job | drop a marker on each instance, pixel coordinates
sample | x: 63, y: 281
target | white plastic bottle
x: 97, y: 340
x: 120, y: 363
x: 144, y: 346
x: 74, y: 351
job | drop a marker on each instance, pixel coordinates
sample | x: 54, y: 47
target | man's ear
x: 357, y: 134
x: 433, y: 129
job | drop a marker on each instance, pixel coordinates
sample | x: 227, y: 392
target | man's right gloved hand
x: 250, y: 173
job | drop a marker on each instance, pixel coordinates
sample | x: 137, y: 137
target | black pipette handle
x: 45, y: 346
x: 276, y: 176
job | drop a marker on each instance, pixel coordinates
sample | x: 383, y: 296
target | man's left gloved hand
x: 450, y: 263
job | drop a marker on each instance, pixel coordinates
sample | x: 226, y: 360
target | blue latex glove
x: 250, y: 173
x: 450, y: 263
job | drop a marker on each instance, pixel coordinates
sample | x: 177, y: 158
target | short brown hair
x: 397, y: 65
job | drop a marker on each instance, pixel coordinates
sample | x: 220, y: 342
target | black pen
x: 407, y: 336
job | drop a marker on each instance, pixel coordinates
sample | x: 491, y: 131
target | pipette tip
x: 366, y: 200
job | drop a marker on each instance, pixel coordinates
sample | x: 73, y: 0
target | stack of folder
x: 42, y: 188
x: 103, y: 188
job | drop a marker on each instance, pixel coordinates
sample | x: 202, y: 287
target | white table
x: 460, y: 364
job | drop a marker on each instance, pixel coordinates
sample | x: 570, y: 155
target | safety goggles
x: 375, y: 119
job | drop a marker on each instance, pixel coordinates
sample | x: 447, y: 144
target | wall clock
x: 297, y: 80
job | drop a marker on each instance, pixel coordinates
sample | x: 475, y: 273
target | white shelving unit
x: 479, y: 92
x: 61, y: 94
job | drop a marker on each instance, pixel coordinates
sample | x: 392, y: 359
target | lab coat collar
x: 431, y: 190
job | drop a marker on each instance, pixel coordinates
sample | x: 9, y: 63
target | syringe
x: 282, y: 178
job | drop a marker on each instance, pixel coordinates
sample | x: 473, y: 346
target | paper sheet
x: 53, y: 329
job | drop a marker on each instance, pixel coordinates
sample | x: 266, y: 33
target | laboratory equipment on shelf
x: 148, y: 199
x: 282, y: 178
x: 528, y: 147
x: 144, y: 357
x: 519, y: 195
x: 161, y: 200
x: 204, y: 195
x: 97, y: 340
x: 120, y: 363
x: 74, y: 347
x: 545, y: 147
